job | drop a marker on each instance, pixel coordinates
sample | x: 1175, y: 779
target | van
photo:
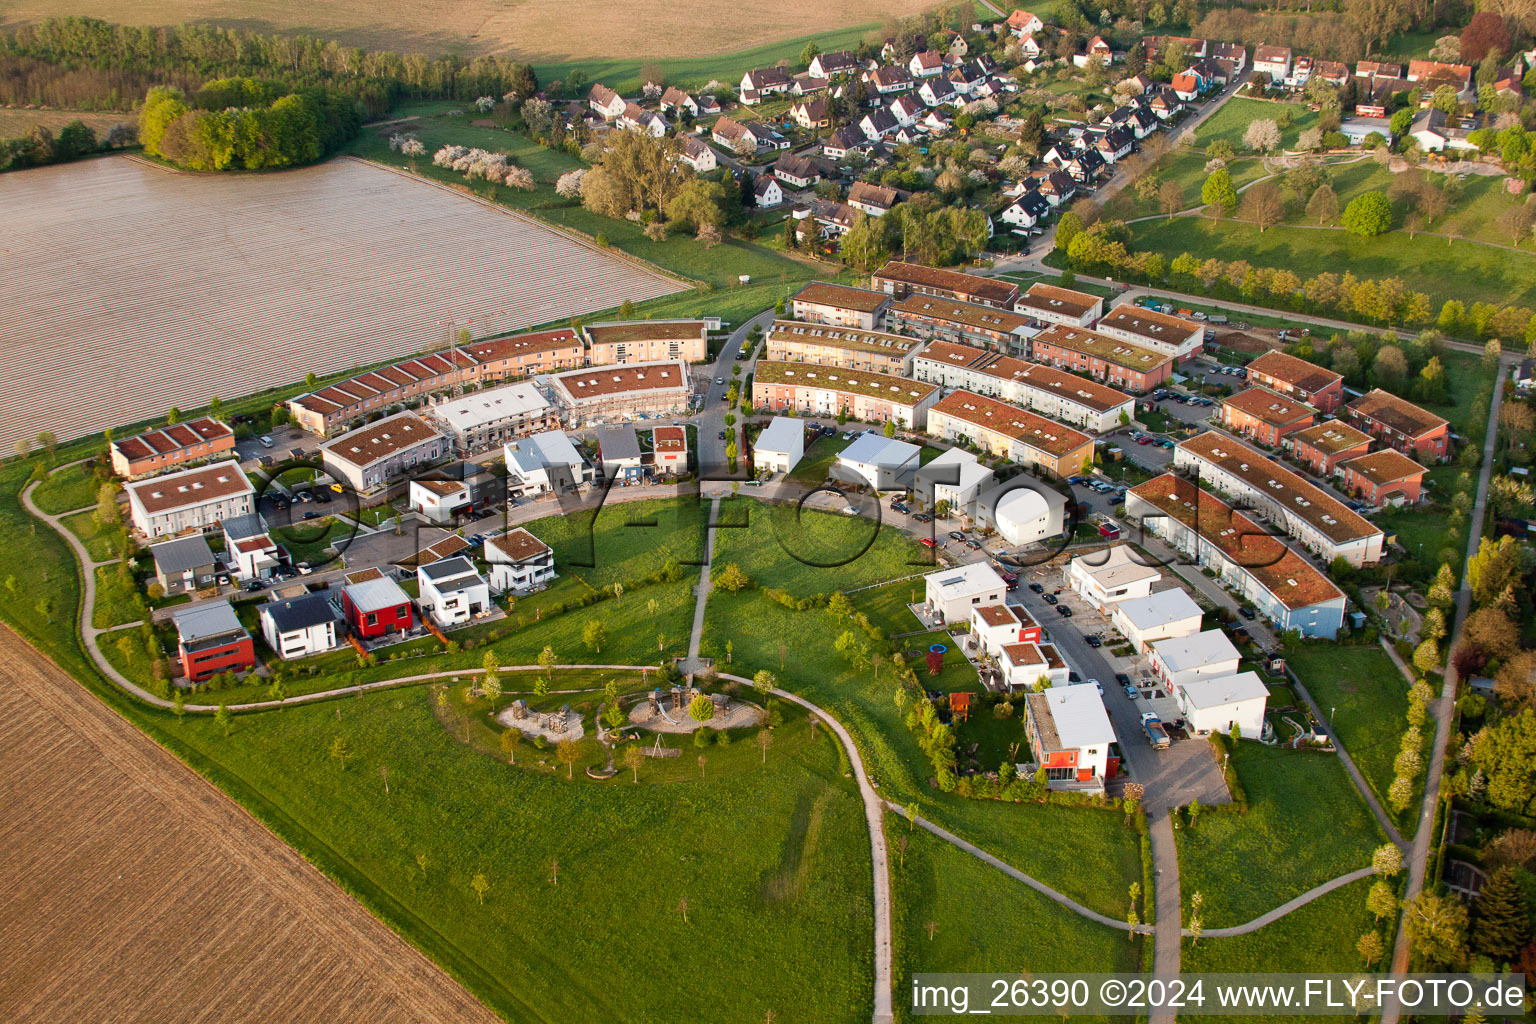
x: 266, y: 442
x: 1216, y: 318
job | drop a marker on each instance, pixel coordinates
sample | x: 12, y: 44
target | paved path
x: 1445, y: 708
x: 1167, y: 939
x: 1285, y: 908
x: 692, y: 665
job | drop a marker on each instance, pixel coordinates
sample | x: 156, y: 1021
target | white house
x: 955, y: 477
x: 452, y: 592
x: 1178, y: 660
x: 438, y: 500
x: 699, y: 155
x: 605, y: 101
x: 1161, y: 616
x: 780, y: 446
x: 545, y: 462
x: 1026, y: 211
x: 518, y: 561
x: 1217, y: 703
x: 299, y: 626
x: 952, y: 593
x: 1024, y: 665
x: 1022, y: 23
x: 1274, y: 61
x: 249, y: 549
x: 1110, y: 576
x: 995, y: 626
x: 163, y: 506
x: 1069, y: 736
x: 1022, y: 511
x: 767, y: 192
x: 879, y: 462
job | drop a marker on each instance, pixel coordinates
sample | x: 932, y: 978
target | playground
x: 554, y: 726
x: 667, y: 711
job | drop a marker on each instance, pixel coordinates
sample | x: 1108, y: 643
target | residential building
x: 296, y: 627
x: 1106, y: 577
x: 1069, y: 736
x: 836, y: 62
x: 1023, y: 666
x: 875, y: 200
x: 1217, y: 704
x: 1160, y: 616
x: 890, y: 78
x: 848, y: 347
x: 1387, y: 477
x: 1059, y: 305
x: 1026, y: 211
x: 1358, y: 129
x: 249, y: 550
x: 1321, y: 448
x: 375, y: 605
x: 952, y: 593
x: 523, y: 355
x: 1023, y: 23
x: 637, y: 119
x: 845, y: 140
x: 1371, y: 69
x: 1274, y: 61
x: 518, y: 562
x: 1117, y: 363
x: 486, y: 419
x: 605, y: 101
x: 1436, y: 131
x: 1459, y: 76
x: 669, y: 449
x: 876, y: 124
x: 995, y: 626
x: 1005, y: 430
x: 546, y: 462
x: 900, y: 279
x: 1299, y: 379
x: 438, y: 499
x: 826, y: 391
x: 630, y: 392
x: 336, y: 406
x: 619, y: 453
x: 840, y: 306
x: 766, y: 191
x: 780, y: 446
x: 1206, y: 655
x: 1023, y: 511
x: 676, y: 101
x: 964, y: 323
x: 373, y: 456
x: 796, y: 171
x: 1401, y: 424
x: 699, y: 155
x: 184, y: 564
x: 1284, y: 587
x: 172, y: 445
x: 927, y: 64
x: 210, y: 640
x: 1162, y: 332
x: 452, y: 591
x: 190, y: 499
x: 1035, y: 386
x: 812, y: 115
x: 955, y: 478
x: 763, y: 82
x: 878, y: 462
x: 1299, y: 508
x: 1265, y: 416
x: 647, y: 341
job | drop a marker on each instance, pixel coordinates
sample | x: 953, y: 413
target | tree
x: 1438, y: 927
x: 1491, y: 629
x: 731, y: 578
x: 1376, y: 20
x: 1170, y: 196
x: 1263, y: 204
x: 1516, y: 222
x: 341, y: 752
x: 1516, y: 679
x: 1368, y: 215
x: 1387, y: 860
x: 47, y: 441
x: 1486, y: 33
x: 763, y: 681
x: 701, y: 708
x: 593, y: 634
x: 547, y: 662
x: 1500, y: 917
x: 1506, y: 752
x: 1324, y: 204
x: 634, y: 757
x: 764, y: 741
x: 1217, y: 193
x: 1370, y: 947
x: 1426, y: 657
x: 508, y: 740
x: 568, y: 753
x: 1196, y: 923
x: 481, y: 886
x: 1067, y: 228
x: 224, y: 717
x: 1263, y: 135
x: 1381, y: 901
x: 1493, y: 570
x: 1389, y: 368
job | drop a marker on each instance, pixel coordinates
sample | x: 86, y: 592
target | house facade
x: 191, y: 499
x: 170, y: 446
x: 1002, y: 429
x: 825, y: 391
x: 210, y: 639
x: 518, y: 562
x: 1402, y: 425
x: 840, y: 306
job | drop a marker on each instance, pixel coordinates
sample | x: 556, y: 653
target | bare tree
x: 1263, y: 204
x: 1171, y: 197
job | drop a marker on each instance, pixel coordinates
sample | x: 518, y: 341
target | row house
x: 191, y: 499
x: 840, y: 306
x: 1321, y: 448
x: 481, y: 420
x: 847, y: 347
x: 1056, y: 305
x: 1117, y: 363
x: 1318, y: 520
x: 647, y: 341
x: 1386, y: 477
x: 1004, y: 430
x: 1299, y: 379
x: 374, y: 455
x: 1402, y: 425
x: 1035, y: 386
x: 172, y: 445
x: 1265, y: 416
x: 523, y: 355
x: 901, y: 279
x: 333, y: 407
x: 1173, y: 336
x: 1286, y: 589
x: 964, y: 323
x: 628, y: 392
x: 827, y: 391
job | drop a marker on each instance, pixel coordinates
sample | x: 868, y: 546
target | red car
x: 926, y: 542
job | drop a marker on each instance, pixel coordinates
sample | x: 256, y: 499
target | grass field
x: 1234, y: 117
x: 102, y: 542
x: 625, y: 542
x: 67, y: 489
x: 16, y: 122
x: 1305, y: 823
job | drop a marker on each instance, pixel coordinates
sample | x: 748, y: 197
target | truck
x: 1156, y: 734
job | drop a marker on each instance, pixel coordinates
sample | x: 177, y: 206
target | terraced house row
x: 1008, y: 431
x: 814, y: 390
x: 328, y: 409
x: 1035, y: 386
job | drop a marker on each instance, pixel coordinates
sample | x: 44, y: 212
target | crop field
x: 16, y: 122
x: 545, y: 30
x: 130, y: 881
x: 133, y: 289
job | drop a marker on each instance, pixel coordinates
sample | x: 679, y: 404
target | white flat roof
x: 971, y: 471
x: 966, y: 580
x: 1219, y: 691
x: 1186, y: 652
x: 1080, y: 718
x: 781, y: 435
x: 1115, y: 567
x: 879, y: 450
x: 482, y: 407
x: 1159, y: 609
x: 540, y: 451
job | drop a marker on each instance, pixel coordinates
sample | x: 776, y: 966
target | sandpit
x: 740, y: 715
x: 544, y: 723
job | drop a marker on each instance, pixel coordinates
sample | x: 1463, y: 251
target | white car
x: 266, y: 442
x: 849, y: 510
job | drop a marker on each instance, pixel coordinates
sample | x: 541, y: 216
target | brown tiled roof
x: 1331, y: 436
x: 885, y: 386
x: 1149, y: 323
x: 1023, y: 654
x: 1011, y: 421
x: 363, y: 575
x: 445, y: 548
x: 612, y: 380
x: 872, y: 195
x: 173, y: 438
x: 522, y: 344
x: 969, y: 314
x: 670, y: 439
x: 190, y: 487
x: 1384, y: 467
x: 1269, y: 406
x: 1050, y: 298
x: 376, y: 441
x: 1296, y: 372
x: 833, y: 336
x: 991, y: 289
x: 1284, y: 573
x: 1399, y: 414
x: 645, y: 330
x: 1112, y: 350
x: 821, y: 293
x: 518, y: 545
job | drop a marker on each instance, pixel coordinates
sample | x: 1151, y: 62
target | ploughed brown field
x: 126, y: 288
x: 133, y: 890
x: 534, y: 29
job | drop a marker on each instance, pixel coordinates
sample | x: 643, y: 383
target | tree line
x: 245, y: 124
x: 87, y: 63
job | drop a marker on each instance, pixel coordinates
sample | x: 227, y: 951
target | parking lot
x: 1186, y: 770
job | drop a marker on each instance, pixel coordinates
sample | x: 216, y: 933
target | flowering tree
x: 569, y: 184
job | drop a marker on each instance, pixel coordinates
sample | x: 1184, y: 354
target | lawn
x: 625, y: 542
x: 310, y: 541
x: 1234, y: 117
x: 118, y: 600
x: 887, y: 608
x: 816, y: 464
x: 1367, y: 698
x: 1187, y: 167
x: 102, y: 542
x: 984, y: 921
x: 1305, y: 824
x: 67, y: 489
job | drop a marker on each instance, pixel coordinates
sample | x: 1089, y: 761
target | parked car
x: 1037, y: 588
x: 849, y: 510
x: 305, y: 569
x: 1092, y: 640
x: 719, y: 380
x: 926, y: 542
x: 1064, y: 611
x: 1131, y: 691
x: 1122, y: 679
x: 923, y: 517
x: 956, y: 535
x: 1051, y: 599
x: 266, y: 441
x: 1247, y: 613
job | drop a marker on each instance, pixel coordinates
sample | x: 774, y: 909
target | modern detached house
x: 519, y: 562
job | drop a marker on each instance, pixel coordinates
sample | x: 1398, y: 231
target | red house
x: 1323, y: 447
x: 1403, y: 425
x: 1264, y: 415
x: 375, y: 605
x: 1299, y: 379
x: 210, y: 640
x: 1384, y: 478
